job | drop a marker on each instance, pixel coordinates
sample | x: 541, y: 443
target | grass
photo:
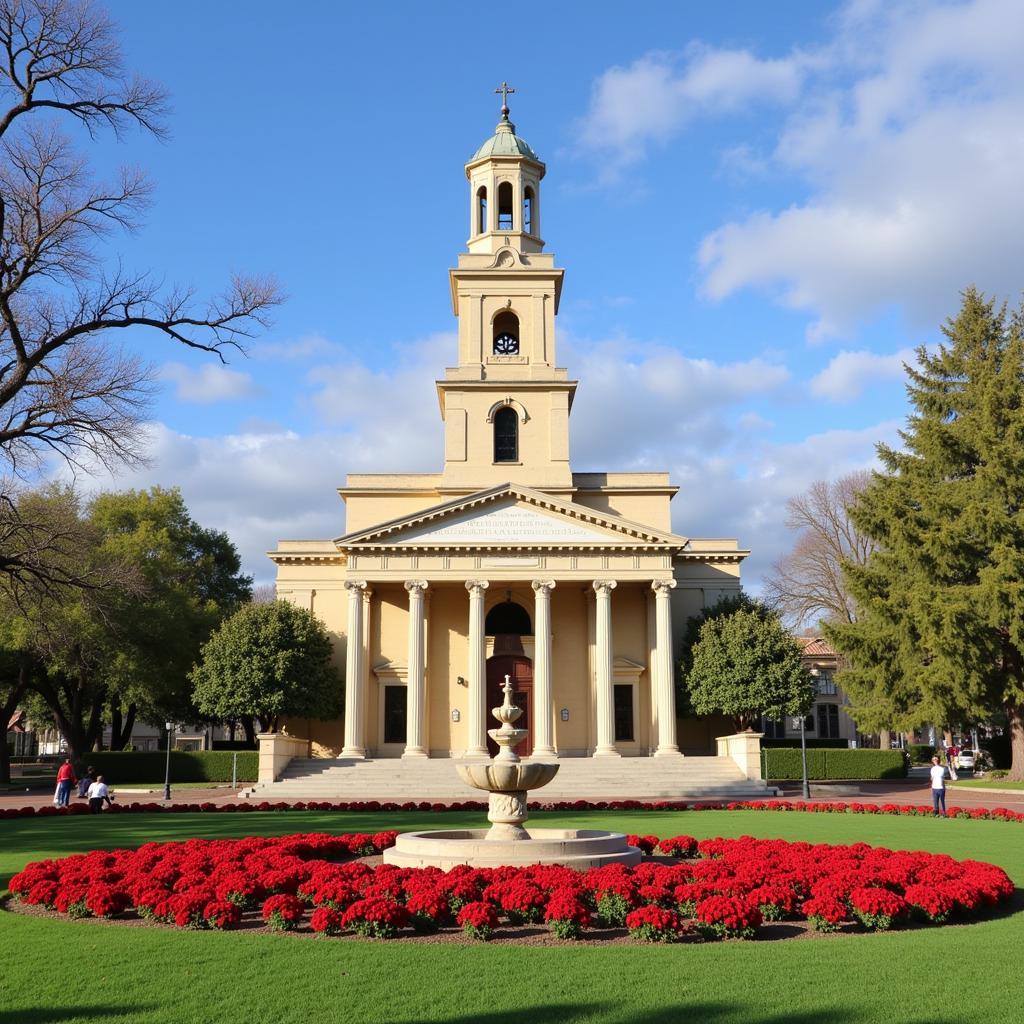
x: 987, y: 784
x: 76, y: 972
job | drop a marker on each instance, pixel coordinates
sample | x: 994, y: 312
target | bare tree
x: 66, y: 386
x: 807, y: 583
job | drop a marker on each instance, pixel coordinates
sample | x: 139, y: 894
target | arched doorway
x: 519, y: 669
x: 508, y: 622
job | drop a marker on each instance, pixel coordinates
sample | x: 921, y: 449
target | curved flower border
x: 378, y: 806
x: 710, y: 889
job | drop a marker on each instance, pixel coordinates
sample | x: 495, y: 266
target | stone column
x: 603, y: 670
x: 476, y: 745
x: 416, y: 684
x: 543, y: 745
x: 355, y: 673
x: 664, y: 672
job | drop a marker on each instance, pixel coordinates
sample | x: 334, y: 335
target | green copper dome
x: 505, y: 142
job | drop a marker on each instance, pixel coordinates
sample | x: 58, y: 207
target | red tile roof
x: 816, y: 647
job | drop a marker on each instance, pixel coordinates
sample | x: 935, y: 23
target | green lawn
x: 987, y: 784
x: 75, y: 972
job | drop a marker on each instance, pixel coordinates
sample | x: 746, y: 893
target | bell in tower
x: 504, y: 186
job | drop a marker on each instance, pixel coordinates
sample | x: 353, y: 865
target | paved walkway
x: 910, y: 791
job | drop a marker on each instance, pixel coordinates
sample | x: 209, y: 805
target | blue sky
x: 761, y: 208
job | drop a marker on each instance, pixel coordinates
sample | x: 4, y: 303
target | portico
x: 506, y: 562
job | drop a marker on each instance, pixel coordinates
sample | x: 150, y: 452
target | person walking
x: 65, y: 780
x: 938, y: 776
x: 98, y: 794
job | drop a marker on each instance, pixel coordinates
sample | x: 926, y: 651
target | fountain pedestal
x: 507, y: 779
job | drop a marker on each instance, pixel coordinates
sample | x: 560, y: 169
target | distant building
x: 828, y: 718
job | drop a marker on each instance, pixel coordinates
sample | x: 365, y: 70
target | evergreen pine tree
x: 941, y: 627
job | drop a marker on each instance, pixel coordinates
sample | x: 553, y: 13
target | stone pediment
x: 509, y: 516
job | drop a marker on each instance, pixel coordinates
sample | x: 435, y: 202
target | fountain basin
x: 507, y: 776
x: 575, y: 848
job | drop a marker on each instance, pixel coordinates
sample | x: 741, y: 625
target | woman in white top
x: 98, y: 793
x: 938, y: 774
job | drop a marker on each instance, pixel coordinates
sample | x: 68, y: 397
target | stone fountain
x: 508, y: 779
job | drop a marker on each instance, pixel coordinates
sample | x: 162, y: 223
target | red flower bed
x: 727, y: 891
x: 376, y: 807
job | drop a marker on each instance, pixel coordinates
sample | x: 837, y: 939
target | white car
x: 965, y: 760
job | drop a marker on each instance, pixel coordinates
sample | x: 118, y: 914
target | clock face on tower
x: 506, y: 345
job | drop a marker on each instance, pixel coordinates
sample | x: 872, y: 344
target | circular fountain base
x: 575, y: 848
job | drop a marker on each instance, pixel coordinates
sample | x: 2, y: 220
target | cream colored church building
x: 506, y: 562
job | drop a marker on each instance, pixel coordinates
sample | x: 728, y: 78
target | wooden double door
x: 519, y: 669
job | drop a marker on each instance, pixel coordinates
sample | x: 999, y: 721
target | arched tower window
x: 508, y: 617
x: 481, y: 209
x: 528, y: 204
x: 506, y: 435
x: 505, y: 206
x: 506, y: 334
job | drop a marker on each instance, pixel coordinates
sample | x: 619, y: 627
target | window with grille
x: 506, y: 435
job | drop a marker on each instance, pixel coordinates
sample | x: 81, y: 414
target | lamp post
x: 167, y: 771
x: 803, y: 753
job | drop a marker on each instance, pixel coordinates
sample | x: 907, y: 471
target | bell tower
x: 506, y: 405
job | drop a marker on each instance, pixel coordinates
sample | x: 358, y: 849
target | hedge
x: 826, y: 765
x: 812, y: 744
x: 125, y: 767
x: 920, y: 753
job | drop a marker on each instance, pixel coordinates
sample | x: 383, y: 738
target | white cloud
x: 902, y: 130
x: 652, y: 98
x: 208, y: 383
x: 849, y: 373
x: 908, y: 139
x: 305, y: 347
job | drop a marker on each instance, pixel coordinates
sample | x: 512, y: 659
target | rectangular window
x: 624, y: 713
x: 828, y: 721
x: 394, y: 714
x: 826, y: 683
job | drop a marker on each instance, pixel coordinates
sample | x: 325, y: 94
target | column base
x: 668, y: 752
x: 354, y: 753
x: 543, y: 752
x: 476, y: 752
x: 606, y: 752
x: 414, y: 753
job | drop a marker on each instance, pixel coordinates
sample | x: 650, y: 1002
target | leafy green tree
x: 745, y: 663
x: 268, y: 661
x: 941, y: 602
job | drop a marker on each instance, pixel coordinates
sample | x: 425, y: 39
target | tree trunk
x: 947, y: 737
x: 121, y: 725
x: 884, y: 739
x: 250, y: 730
x: 7, y: 711
x: 1015, y: 718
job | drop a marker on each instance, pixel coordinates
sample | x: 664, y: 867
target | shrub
x: 567, y: 914
x: 825, y: 913
x: 478, y: 920
x: 283, y: 912
x: 429, y: 910
x: 877, y: 908
x: 120, y: 767
x: 326, y: 921
x: 728, y: 917
x: 824, y: 765
x: 221, y: 914
x: 679, y: 846
x: 376, y: 917
x: 655, y: 924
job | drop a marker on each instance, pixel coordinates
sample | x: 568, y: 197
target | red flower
x: 326, y: 921
x: 478, y: 919
x: 728, y: 917
x: 283, y: 912
x: 655, y: 924
x: 221, y: 914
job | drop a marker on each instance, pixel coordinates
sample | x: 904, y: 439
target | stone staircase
x: 578, y: 778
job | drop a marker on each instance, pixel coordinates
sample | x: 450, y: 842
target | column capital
x: 477, y: 585
x: 419, y: 585
x: 351, y: 585
x: 543, y: 587
x: 661, y: 588
x: 604, y: 586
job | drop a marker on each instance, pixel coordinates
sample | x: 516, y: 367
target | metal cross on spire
x: 504, y: 89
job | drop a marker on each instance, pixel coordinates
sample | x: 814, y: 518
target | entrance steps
x: 578, y: 778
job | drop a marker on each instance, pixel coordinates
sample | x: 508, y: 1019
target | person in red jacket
x: 65, y: 780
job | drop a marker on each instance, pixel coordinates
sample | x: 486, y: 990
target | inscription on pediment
x: 510, y: 524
